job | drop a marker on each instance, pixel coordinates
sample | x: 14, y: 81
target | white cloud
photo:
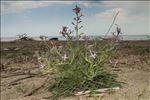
x: 132, y: 7
x: 17, y: 6
x: 133, y: 17
x: 91, y: 3
x: 111, y: 12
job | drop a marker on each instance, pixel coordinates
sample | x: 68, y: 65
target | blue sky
x: 47, y: 17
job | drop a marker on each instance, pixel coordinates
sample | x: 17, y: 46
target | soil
x: 21, y: 73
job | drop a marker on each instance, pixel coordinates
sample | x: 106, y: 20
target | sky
x: 47, y: 17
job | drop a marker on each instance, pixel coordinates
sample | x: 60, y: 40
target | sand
x: 131, y: 63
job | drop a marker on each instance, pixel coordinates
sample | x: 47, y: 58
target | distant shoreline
x: 60, y: 38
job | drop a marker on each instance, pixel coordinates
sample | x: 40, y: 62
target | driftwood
x: 11, y: 75
x: 36, y: 89
x: 11, y: 69
x: 21, y: 73
x: 15, y: 81
x: 99, y: 91
x: 17, y: 74
x: 12, y: 72
x: 53, y: 39
x: 106, y: 89
x: 24, y: 37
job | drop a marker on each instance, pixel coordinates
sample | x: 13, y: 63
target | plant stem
x: 77, y: 22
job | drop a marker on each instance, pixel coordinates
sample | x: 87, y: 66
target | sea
x: 123, y: 37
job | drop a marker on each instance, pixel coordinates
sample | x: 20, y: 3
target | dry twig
x: 112, y: 23
x: 15, y: 81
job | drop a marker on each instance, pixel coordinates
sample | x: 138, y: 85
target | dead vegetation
x: 24, y: 37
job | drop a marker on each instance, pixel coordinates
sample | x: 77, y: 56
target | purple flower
x: 77, y: 9
x: 64, y: 28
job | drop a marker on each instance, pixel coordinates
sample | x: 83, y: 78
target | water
x: 124, y: 37
x: 136, y: 37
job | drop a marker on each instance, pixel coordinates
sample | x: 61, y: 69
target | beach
x: 21, y: 73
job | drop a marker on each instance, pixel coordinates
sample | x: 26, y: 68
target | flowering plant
x: 77, y: 20
x: 79, y: 66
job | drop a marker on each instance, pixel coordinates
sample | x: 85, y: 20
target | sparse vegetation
x: 24, y: 37
x: 79, y: 66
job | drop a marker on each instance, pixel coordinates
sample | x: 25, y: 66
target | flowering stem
x: 77, y: 33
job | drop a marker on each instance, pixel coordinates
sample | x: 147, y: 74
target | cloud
x: 133, y: 17
x: 18, y: 6
x: 91, y: 3
x: 133, y: 7
x: 110, y: 12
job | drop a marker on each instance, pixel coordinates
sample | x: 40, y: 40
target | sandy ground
x: 20, y: 72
